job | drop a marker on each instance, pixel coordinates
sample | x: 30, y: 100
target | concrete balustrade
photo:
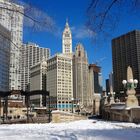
x: 61, y: 116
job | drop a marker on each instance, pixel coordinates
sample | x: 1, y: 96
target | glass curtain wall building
x: 5, y: 37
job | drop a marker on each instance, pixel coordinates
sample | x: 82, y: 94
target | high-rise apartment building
x: 5, y: 37
x: 80, y: 75
x: 59, y: 82
x: 67, y: 40
x: 126, y: 52
x: 31, y: 55
x: 11, y: 17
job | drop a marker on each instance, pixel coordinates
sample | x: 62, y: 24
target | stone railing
x: 61, y: 116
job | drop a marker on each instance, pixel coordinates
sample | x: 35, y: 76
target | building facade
x: 31, y: 55
x: 13, y: 21
x: 59, y: 82
x: 95, y: 87
x: 38, y: 75
x: 111, y: 79
x: 126, y: 52
x: 107, y: 86
x: 109, y: 83
x: 5, y: 37
x: 95, y: 72
x: 80, y: 75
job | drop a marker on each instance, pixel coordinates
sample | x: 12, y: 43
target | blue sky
x: 75, y: 11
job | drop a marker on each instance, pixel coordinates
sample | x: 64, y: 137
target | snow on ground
x: 78, y: 130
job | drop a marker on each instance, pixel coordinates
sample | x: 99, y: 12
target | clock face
x: 67, y: 35
x: 67, y: 41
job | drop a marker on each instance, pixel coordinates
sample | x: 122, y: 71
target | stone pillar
x: 131, y: 100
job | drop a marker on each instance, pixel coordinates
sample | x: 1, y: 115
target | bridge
x: 26, y: 94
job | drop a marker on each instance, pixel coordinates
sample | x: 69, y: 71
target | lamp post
x: 111, y: 97
x: 3, y: 104
x: 32, y: 107
x: 78, y: 107
x: 49, y: 109
x: 130, y: 85
x: 27, y: 104
x: 72, y: 99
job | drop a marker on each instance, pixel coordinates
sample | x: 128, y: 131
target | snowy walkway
x: 79, y: 130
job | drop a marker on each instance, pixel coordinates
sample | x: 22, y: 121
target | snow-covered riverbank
x: 79, y: 130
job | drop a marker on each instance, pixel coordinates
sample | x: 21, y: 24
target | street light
x: 78, y: 107
x: 32, y: 107
x: 72, y: 99
x: 130, y: 84
x: 111, y: 97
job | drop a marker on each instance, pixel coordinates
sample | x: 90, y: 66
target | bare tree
x: 34, y: 18
x: 37, y: 19
x: 104, y: 15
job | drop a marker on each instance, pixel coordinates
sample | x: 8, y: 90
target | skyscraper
x: 31, y: 55
x: 67, y: 40
x: 111, y: 84
x: 107, y: 86
x: 59, y: 74
x: 95, y: 78
x: 12, y: 19
x: 59, y: 82
x: 38, y: 81
x: 126, y: 52
x: 80, y: 75
x: 5, y: 37
x: 94, y: 87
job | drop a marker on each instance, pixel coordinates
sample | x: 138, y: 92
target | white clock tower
x: 67, y: 40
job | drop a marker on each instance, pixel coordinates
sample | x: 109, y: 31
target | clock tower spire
x: 67, y: 40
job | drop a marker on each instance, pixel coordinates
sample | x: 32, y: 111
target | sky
x: 76, y: 13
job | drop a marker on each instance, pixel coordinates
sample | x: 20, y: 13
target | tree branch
x: 106, y: 12
x: 22, y: 13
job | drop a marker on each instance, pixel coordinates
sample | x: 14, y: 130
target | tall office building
x: 107, y: 86
x: 59, y: 75
x: 5, y: 37
x: 59, y: 82
x: 95, y: 78
x: 95, y: 87
x: 67, y: 40
x: 38, y: 75
x: 111, y: 84
x: 31, y: 55
x: 12, y: 19
x: 80, y: 75
x: 126, y: 52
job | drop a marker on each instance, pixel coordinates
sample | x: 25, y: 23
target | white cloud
x: 41, y: 20
x: 82, y: 32
x: 36, y: 18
